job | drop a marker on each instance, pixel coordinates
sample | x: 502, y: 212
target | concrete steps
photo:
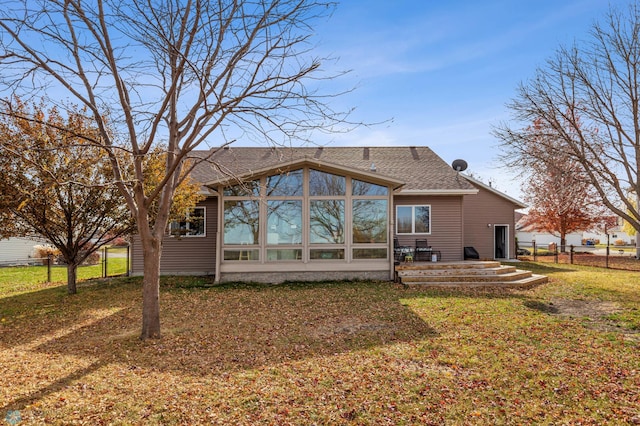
x: 466, y: 274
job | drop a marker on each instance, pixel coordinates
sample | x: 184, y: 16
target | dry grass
x: 615, y: 260
x: 326, y: 353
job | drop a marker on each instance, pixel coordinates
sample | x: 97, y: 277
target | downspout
x: 392, y: 227
x: 392, y: 257
x: 219, y: 230
x: 462, y: 240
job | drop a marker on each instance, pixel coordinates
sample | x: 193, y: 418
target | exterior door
x: 501, y: 242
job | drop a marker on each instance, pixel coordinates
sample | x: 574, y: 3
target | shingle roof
x: 414, y: 169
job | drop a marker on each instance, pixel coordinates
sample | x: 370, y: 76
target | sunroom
x: 306, y: 217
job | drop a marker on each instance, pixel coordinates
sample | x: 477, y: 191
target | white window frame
x: 413, y: 219
x: 186, y: 217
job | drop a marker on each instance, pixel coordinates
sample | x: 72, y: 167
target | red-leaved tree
x: 561, y: 197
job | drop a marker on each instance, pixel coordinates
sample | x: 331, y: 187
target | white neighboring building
x: 525, y: 238
x: 526, y: 235
x: 17, y: 250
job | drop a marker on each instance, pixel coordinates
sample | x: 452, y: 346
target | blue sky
x: 443, y: 71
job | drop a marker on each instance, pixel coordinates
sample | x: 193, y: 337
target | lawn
x: 23, y: 278
x: 325, y: 353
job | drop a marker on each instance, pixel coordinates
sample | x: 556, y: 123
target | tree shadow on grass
x: 238, y: 328
x: 214, y: 331
x: 30, y: 316
x: 53, y: 387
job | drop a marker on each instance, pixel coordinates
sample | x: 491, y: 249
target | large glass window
x: 326, y: 222
x: 285, y: 185
x: 241, y: 222
x: 369, y: 221
x: 359, y: 187
x: 284, y: 222
x: 413, y: 219
x: 301, y: 215
x: 326, y: 184
x: 192, y: 225
x: 244, y: 189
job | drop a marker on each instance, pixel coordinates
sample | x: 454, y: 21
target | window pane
x: 326, y: 254
x: 374, y: 253
x: 244, y: 189
x: 422, y: 219
x: 193, y: 223
x: 326, y: 222
x: 289, y: 184
x: 404, y: 219
x: 240, y: 254
x: 284, y: 254
x: 369, y: 221
x: 284, y: 222
x: 321, y: 183
x: 359, y: 187
x: 241, y: 224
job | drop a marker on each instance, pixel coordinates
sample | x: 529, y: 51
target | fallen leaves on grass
x: 331, y: 353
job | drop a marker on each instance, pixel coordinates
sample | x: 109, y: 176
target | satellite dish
x: 459, y: 165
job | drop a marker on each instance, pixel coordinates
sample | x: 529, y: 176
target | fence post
x: 571, y: 254
x: 105, y: 275
x: 49, y: 259
x: 607, y: 255
x: 128, y: 260
x: 535, y: 252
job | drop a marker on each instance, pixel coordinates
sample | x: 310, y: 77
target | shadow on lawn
x: 216, y: 330
x: 55, y: 386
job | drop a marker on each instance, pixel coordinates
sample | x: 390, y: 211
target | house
x: 489, y: 221
x: 17, y: 250
x: 527, y: 234
x: 330, y: 213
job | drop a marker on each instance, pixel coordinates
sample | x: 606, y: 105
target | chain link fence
x: 615, y: 257
x: 111, y: 262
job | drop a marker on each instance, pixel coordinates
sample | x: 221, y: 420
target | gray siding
x: 186, y: 255
x: 486, y: 208
x: 13, y: 249
x: 446, y: 224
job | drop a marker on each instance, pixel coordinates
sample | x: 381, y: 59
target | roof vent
x: 414, y: 153
x: 373, y: 167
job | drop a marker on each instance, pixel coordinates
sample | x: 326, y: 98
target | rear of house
x: 489, y: 222
x: 319, y: 213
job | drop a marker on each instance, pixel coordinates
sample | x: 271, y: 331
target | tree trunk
x: 72, y: 276
x: 152, y: 250
x: 563, y: 243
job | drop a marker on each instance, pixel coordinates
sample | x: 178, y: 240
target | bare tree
x: 587, y: 98
x: 183, y: 72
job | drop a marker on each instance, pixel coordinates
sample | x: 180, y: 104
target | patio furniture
x: 471, y: 253
x: 423, y: 250
x: 400, y: 252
